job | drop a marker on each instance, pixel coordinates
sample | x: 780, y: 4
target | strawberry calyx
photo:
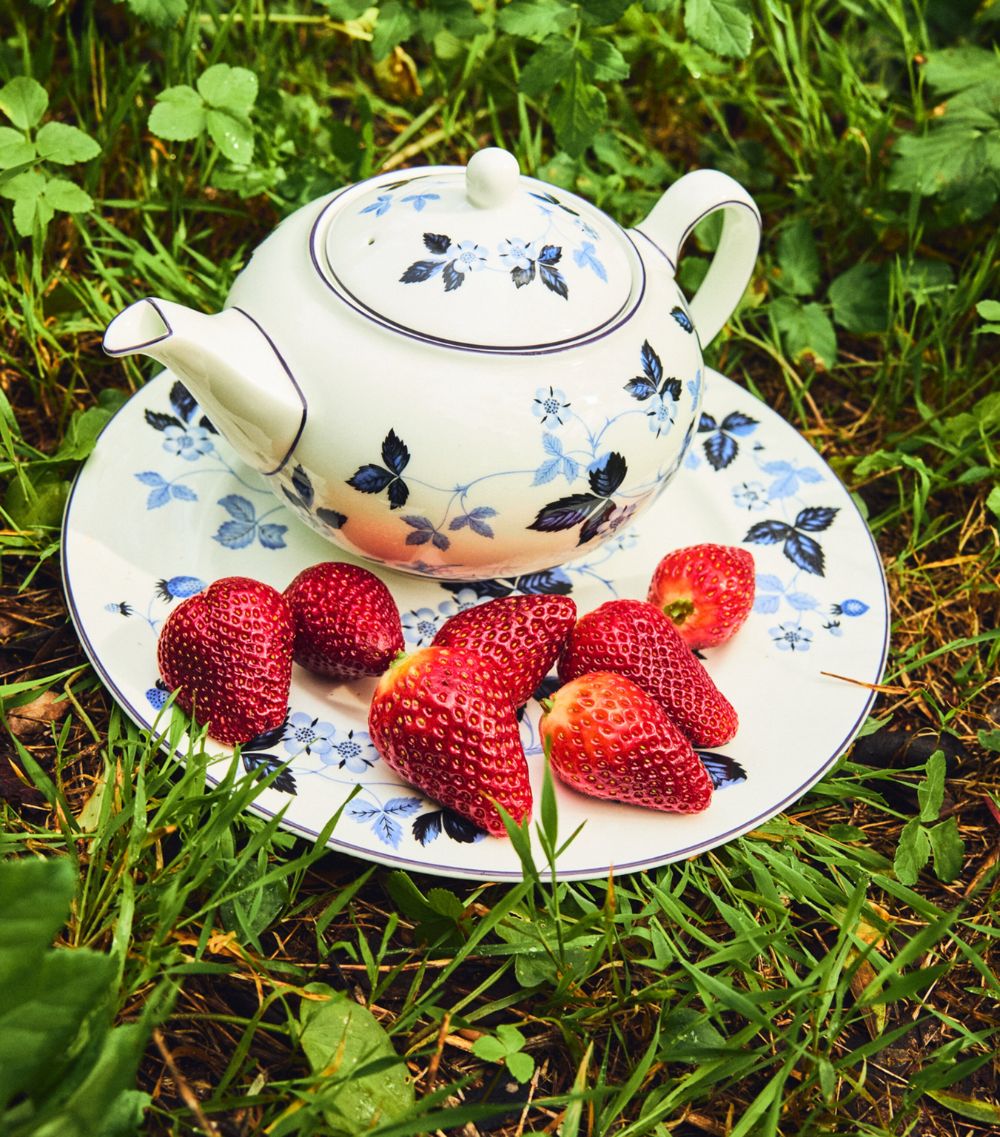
x: 680, y: 611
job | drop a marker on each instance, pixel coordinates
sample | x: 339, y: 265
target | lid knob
x: 491, y: 177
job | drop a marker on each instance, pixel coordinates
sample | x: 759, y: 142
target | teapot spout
x: 230, y: 366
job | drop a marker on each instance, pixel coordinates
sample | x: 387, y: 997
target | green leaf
x: 365, y: 1080
x: 24, y: 187
x: 67, y: 197
x: 859, y: 298
x: 178, y: 115
x: 228, y: 88
x: 600, y: 13
x: 959, y: 68
x: 578, y: 111
x: 94, y: 1108
x: 721, y: 26
x: 490, y: 1049
x: 990, y: 740
x: 44, y: 1016
x: 930, y: 791
x: 806, y: 330
x: 548, y: 65
x: 975, y: 1109
x: 15, y: 149
x: 396, y: 22
x: 686, y: 1031
x: 35, y: 896
x: 536, y: 19
x: 232, y: 134
x: 59, y: 142
x: 605, y: 63
x: 989, y: 309
x: 947, y: 849
x: 949, y: 155
x: 84, y: 426
x: 912, y: 852
x: 159, y: 13
x: 798, y: 258
x: 36, y: 502
x: 521, y: 1065
x: 23, y: 100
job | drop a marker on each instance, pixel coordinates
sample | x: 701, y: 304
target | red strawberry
x: 228, y: 652
x: 633, y: 638
x: 609, y: 739
x: 707, y: 590
x: 522, y: 634
x: 443, y: 720
x: 347, y: 624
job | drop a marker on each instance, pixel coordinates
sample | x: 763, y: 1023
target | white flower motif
x: 516, y: 253
x: 307, y: 735
x: 188, y: 443
x: 467, y: 256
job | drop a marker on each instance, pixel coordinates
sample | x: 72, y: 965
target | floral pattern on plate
x: 748, y: 478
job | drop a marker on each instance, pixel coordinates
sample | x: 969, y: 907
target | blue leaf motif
x: 402, y: 806
x: 566, y: 512
x: 682, y: 318
x: 802, y: 601
x: 361, y: 811
x: 550, y: 255
x: 420, y: 271
x: 768, y: 532
x: 388, y: 830
x: 235, y: 534
x: 803, y: 551
x: 815, y: 518
x: 651, y: 365
x: 380, y: 205
x: 608, y: 473
x: 720, y: 450
x: 553, y: 280
x: 151, y: 478
x: 238, y: 507
x: 437, y: 243
x: 370, y: 479
x: 419, y: 200
x: 546, y: 472
x: 453, y: 279
x: 766, y: 582
x: 723, y: 770
x: 549, y: 582
x: 158, y: 497
x: 331, y: 517
x: 272, y: 536
x: 739, y: 424
x: 641, y: 388
x: 586, y: 257
x: 183, y: 493
x: 767, y: 603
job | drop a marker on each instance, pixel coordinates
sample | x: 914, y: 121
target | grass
x: 813, y: 977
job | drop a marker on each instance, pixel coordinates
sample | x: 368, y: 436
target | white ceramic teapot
x: 461, y: 371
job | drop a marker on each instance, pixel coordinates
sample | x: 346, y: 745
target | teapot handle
x: 669, y: 223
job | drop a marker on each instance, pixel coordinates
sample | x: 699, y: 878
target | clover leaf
x: 219, y: 105
x: 37, y: 197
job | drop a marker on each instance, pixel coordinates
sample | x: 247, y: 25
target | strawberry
x: 633, y: 638
x: 228, y: 653
x: 442, y: 718
x: 609, y: 739
x: 707, y: 590
x: 347, y: 624
x: 522, y: 634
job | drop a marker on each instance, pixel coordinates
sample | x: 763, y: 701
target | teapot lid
x: 477, y: 256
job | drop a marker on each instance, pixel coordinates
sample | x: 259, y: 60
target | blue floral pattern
x: 524, y: 259
x: 796, y: 528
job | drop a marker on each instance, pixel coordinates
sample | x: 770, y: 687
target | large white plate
x: 162, y: 507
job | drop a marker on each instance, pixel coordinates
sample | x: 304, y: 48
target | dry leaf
x: 32, y: 720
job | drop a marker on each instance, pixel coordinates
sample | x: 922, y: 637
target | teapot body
x: 462, y: 462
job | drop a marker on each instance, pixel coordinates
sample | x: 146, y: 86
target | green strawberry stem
x: 678, y: 610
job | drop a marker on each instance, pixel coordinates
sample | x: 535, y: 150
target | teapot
x: 461, y: 372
